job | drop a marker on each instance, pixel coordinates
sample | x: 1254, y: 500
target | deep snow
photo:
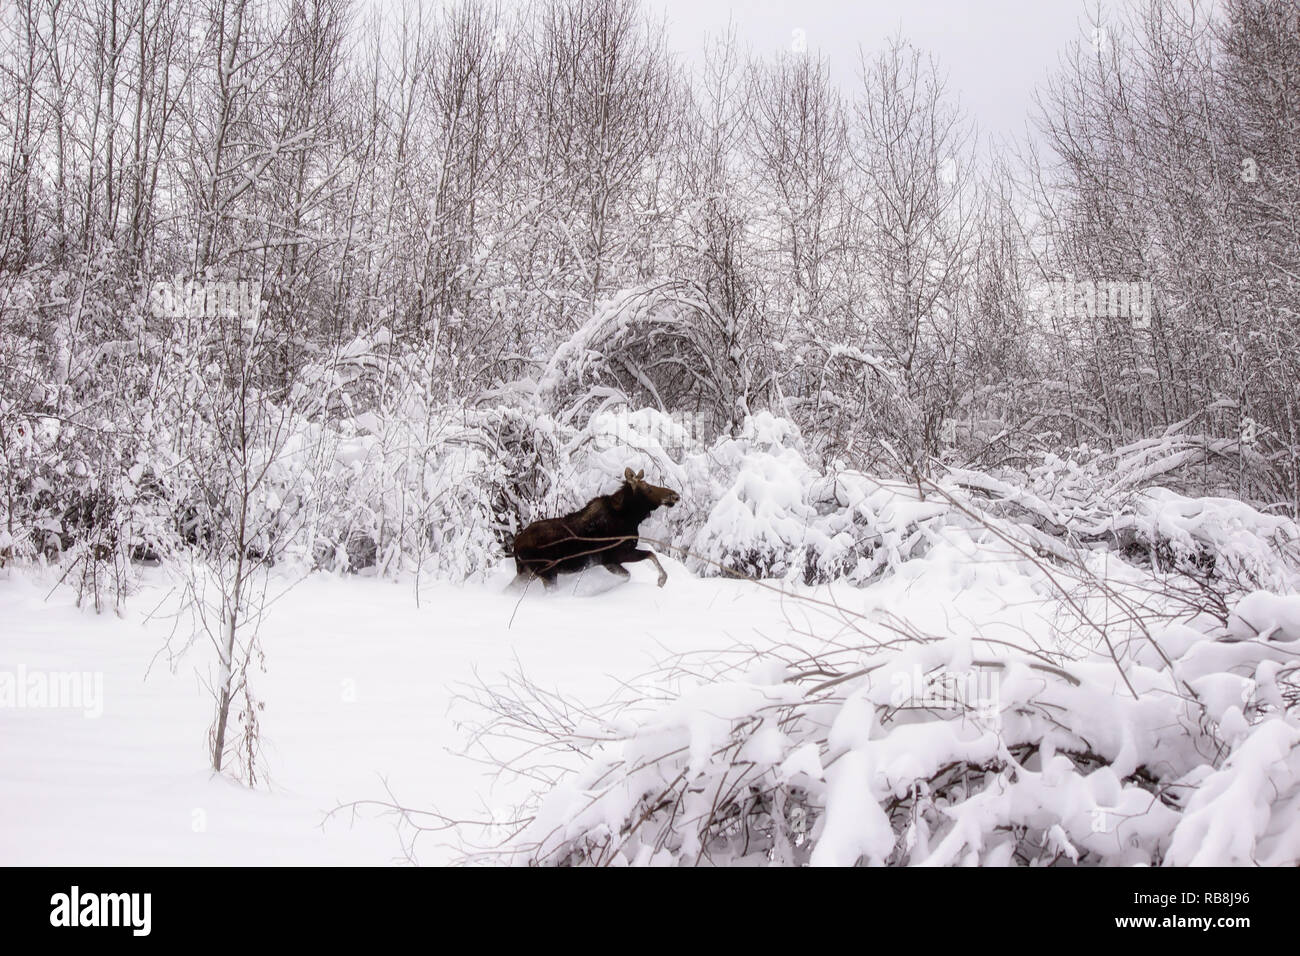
x: 359, y: 688
x: 362, y: 690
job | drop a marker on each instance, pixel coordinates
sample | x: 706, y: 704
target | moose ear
x: 627, y: 474
x: 640, y: 474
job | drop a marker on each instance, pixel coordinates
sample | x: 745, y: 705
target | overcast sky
x: 994, y: 51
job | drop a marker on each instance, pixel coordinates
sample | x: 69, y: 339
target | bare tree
x: 912, y: 150
x: 603, y: 99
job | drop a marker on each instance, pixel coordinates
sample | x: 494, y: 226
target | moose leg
x: 663, y: 575
x: 524, y: 579
x: 530, y: 569
x: 637, y: 555
x: 615, y: 568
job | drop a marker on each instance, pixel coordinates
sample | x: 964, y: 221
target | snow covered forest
x: 988, y: 453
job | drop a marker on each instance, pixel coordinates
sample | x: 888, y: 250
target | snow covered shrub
x: 425, y: 485
x: 29, y: 512
x: 1226, y: 537
x: 79, y: 477
x: 1095, y: 497
x: 418, y: 495
x: 668, y: 345
x: 751, y: 505
x: 761, y: 522
x: 30, y: 435
x: 532, y: 449
x: 939, y: 751
x: 846, y: 400
x: 351, y: 380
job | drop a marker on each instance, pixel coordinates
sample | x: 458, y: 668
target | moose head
x: 654, y: 494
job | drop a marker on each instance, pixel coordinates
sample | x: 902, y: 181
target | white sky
x: 994, y: 51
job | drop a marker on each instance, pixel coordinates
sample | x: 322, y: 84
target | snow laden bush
x: 761, y: 521
x: 761, y: 510
x: 776, y: 516
x: 85, y: 467
x: 751, y: 504
x: 1156, y: 736
x: 667, y: 345
x: 419, y: 484
x: 1107, y: 499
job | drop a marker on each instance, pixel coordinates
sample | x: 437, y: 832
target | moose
x: 603, y: 532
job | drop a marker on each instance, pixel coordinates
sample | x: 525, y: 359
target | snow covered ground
x: 358, y: 690
x: 1187, y: 753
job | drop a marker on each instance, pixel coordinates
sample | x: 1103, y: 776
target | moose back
x: 603, y: 532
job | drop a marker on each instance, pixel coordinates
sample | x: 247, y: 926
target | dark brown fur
x: 603, y: 532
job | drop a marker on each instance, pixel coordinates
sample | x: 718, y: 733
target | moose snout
x: 672, y: 498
